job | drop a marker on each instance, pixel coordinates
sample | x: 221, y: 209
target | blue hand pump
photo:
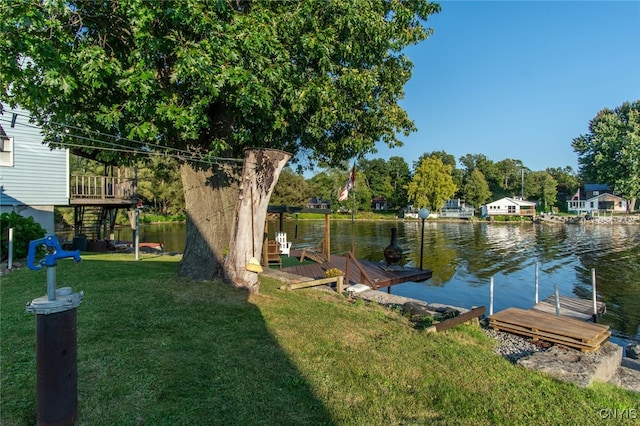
x: 56, y: 339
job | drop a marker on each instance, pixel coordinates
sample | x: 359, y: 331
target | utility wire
x: 180, y: 153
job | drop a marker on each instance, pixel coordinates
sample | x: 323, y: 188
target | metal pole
x: 594, y: 295
x: 10, y: 260
x: 491, y: 297
x: 536, y: 283
x: 422, y: 244
x: 137, y: 241
x: 557, y: 300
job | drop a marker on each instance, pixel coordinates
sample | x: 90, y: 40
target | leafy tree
x: 376, y: 176
x: 488, y: 169
x: 324, y: 185
x: 432, y: 184
x: 475, y: 189
x: 292, y: 189
x: 202, y: 81
x: 446, y: 159
x: 159, y: 184
x: 400, y: 174
x: 568, y: 182
x: 510, y: 176
x: 610, y: 152
x: 543, y: 187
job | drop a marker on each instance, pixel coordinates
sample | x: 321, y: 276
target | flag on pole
x: 349, y: 185
x: 576, y: 196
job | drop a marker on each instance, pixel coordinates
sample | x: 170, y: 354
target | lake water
x: 464, y: 256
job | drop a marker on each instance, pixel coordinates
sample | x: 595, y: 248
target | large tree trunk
x: 260, y: 173
x: 210, y: 197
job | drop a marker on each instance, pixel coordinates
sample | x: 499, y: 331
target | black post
x: 422, y: 244
x: 57, y: 371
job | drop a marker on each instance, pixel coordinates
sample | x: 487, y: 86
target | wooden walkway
x: 572, y: 307
x: 558, y: 329
x: 377, y: 271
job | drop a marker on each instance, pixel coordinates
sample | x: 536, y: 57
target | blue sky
x: 519, y: 79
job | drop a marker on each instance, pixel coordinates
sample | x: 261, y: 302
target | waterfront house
x: 508, y: 206
x: 456, y: 208
x: 598, y: 199
x: 33, y: 177
x: 379, y: 203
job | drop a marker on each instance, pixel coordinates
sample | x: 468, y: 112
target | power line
x: 180, y: 153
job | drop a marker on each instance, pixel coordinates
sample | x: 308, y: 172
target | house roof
x: 606, y: 195
x: 512, y: 201
x: 596, y: 187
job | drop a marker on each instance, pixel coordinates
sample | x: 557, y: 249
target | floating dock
x: 581, y: 309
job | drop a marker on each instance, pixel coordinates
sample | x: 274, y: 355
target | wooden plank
x: 571, y: 307
x: 451, y: 322
x: 536, y: 320
x: 554, y: 338
x: 593, y: 339
x: 305, y: 284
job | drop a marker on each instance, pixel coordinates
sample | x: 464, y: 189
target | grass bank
x: 160, y: 350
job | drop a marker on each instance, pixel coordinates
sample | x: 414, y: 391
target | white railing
x: 102, y: 187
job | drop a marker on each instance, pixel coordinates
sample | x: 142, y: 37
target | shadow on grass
x: 156, y: 349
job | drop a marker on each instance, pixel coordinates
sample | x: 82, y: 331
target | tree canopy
x: 432, y: 184
x: 198, y: 78
x: 610, y: 152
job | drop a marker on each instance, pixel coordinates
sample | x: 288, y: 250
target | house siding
x: 39, y: 175
x: 507, y: 206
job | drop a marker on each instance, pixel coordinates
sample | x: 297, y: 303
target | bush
x: 25, y: 230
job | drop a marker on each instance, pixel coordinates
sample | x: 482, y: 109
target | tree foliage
x: 542, y: 187
x: 291, y: 190
x: 475, y: 189
x: 610, y: 152
x: 432, y: 184
x: 387, y: 178
x: 568, y: 182
x: 160, y: 187
x: 319, y: 78
x: 447, y: 159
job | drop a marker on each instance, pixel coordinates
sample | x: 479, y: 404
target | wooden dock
x: 572, y: 307
x: 545, y: 326
x: 378, y: 272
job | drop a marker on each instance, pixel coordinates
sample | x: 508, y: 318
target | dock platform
x: 572, y: 307
x: 381, y: 275
x: 540, y: 325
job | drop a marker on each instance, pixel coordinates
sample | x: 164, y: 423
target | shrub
x: 25, y: 230
x: 333, y: 272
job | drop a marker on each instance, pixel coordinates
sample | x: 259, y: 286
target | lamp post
x: 422, y: 214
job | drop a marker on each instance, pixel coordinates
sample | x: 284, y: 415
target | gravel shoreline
x: 513, y: 347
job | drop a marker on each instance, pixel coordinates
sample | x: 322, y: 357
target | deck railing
x: 102, y: 187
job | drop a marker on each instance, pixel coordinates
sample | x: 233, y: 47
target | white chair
x: 285, y: 246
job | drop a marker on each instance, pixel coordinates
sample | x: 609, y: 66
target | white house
x: 508, y: 206
x: 456, y: 208
x: 601, y: 202
x: 33, y: 178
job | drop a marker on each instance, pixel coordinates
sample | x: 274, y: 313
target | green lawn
x: 155, y: 349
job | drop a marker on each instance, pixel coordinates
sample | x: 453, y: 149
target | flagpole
x: 353, y: 211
